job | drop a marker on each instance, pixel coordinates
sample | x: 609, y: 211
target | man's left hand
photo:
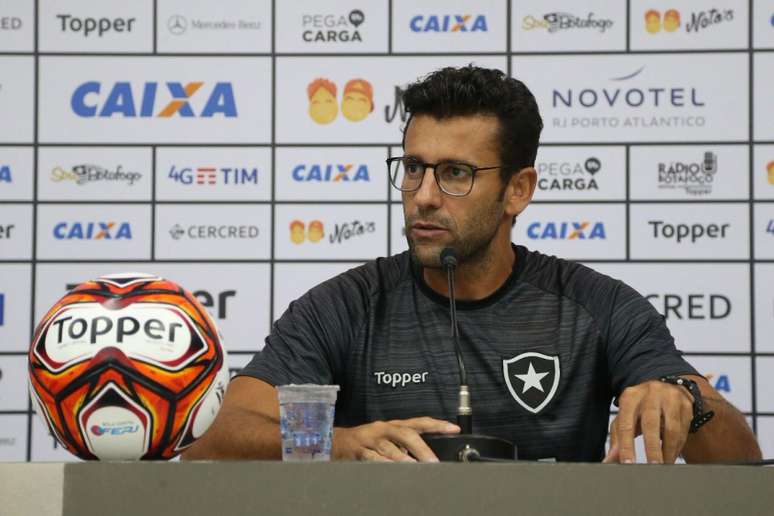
x: 661, y: 412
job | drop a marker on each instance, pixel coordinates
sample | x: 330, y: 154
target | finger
x: 387, y: 448
x: 410, y: 439
x: 425, y: 425
x: 651, y: 431
x: 625, y: 435
x: 612, y: 452
x: 613, y: 455
x: 372, y: 456
x: 674, y: 436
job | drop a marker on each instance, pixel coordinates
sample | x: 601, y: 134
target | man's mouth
x: 427, y: 230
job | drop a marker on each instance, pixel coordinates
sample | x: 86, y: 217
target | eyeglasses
x: 452, y: 177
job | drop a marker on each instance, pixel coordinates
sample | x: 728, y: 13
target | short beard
x: 471, y: 248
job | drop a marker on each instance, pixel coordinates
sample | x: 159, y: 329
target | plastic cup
x: 306, y: 421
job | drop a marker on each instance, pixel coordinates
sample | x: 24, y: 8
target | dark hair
x: 472, y: 90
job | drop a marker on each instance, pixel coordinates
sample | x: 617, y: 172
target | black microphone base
x: 469, y: 447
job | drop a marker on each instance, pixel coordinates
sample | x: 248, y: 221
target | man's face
x: 435, y: 220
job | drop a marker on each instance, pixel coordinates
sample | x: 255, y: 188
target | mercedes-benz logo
x: 177, y: 24
x: 176, y: 231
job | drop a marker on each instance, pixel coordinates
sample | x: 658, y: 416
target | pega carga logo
x: 566, y: 231
x: 449, y: 23
x: 153, y: 99
x: 331, y: 173
x: 93, y: 231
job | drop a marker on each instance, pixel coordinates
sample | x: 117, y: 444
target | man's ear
x: 519, y: 191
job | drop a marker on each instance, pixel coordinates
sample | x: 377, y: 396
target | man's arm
x: 662, y: 413
x: 247, y: 427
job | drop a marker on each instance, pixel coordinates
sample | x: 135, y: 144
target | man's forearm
x: 726, y: 437
x: 246, y: 436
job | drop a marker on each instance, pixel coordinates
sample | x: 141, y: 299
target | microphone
x: 465, y: 446
x: 464, y: 410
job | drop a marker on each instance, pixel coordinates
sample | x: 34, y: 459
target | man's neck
x: 478, y: 279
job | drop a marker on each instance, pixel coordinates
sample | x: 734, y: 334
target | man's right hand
x: 398, y: 440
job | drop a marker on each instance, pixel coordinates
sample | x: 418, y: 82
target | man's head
x: 482, y: 118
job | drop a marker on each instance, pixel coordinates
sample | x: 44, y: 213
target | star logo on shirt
x: 532, y: 379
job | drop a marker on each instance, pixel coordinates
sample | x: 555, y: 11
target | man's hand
x: 387, y: 441
x: 661, y: 412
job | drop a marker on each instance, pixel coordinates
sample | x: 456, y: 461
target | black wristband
x: 699, y: 416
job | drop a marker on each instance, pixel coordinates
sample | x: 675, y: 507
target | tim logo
x: 213, y: 175
x: 93, y: 231
x: 449, y: 23
x: 567, y: 231
x: 299, y: 231
x: 331, y: 173
x: 153, y: 99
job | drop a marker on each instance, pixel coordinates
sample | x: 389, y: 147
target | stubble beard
x: 472, y: 245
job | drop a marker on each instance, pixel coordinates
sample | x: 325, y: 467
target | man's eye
x: 413, y: 168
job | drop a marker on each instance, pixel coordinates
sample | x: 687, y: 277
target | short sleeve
x: 309, y: 343
x: 639, y: 344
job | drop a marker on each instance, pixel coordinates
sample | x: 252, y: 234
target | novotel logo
x: 90, y: 100
x: 631, y: 97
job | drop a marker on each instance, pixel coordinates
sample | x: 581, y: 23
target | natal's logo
x: 331, y: 173
x: 532, y: 379
x: 653, y: 21
x: 88, y: 101
x: 699, y: 20
x: 566, y: 231
x: 93, y: 231
x: 299, y: 232
x: 357, y: 102
x: 770, y: 170
x: 449, y: 23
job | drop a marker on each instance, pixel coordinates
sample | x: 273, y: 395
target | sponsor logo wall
x: 239, y: 150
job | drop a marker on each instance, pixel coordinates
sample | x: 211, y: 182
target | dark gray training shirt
x: 545, y: 354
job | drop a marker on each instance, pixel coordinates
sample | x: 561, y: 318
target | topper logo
x: 121, y: 100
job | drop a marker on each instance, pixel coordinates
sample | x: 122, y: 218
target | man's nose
x: 429, y: 193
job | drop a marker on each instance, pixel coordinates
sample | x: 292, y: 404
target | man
x: 583, y: 338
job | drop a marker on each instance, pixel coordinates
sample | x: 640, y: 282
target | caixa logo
x: 153, y: 99
x: 332, y: 173
x: 114, y: 430
x: 566, y: 231
x: 93, y: 231
x: 449, y: 23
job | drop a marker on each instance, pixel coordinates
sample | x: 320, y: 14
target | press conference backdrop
x: 176, y: 137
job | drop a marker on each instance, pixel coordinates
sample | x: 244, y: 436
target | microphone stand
x: 465, y: 446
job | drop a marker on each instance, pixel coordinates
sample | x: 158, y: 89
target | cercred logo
x: 93, y: 231
x: 331, y: 173
x: 329, y: 28
x: 449, y: 23
x: 90, y: 99
x: 214, y: 232
x: 583, y: 230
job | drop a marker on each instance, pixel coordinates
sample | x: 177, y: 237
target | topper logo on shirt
x: 399, y: 379
x: 532, y: 379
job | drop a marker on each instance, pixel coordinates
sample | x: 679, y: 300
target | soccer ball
x: 127, y: 366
